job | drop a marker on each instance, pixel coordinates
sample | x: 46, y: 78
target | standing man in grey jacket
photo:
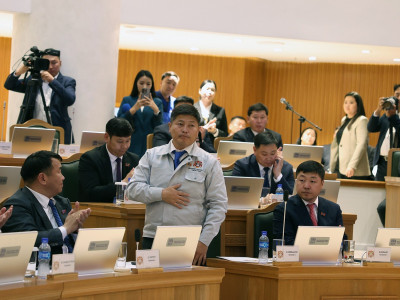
x: 181, y: 184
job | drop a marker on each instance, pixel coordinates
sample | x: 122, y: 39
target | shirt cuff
x: 63, y: 232
x: 375, y: 115
x: 216, y: 133
x: 279, y: 178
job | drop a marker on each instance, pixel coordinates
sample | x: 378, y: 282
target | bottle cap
x: 263, y: 232
x: 45, y: 240
x: 279, y: 185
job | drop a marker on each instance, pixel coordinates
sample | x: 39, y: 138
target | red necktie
x: 312, y: 214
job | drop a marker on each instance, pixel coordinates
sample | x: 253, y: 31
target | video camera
x: 34, y: 60
x: 389, y: 103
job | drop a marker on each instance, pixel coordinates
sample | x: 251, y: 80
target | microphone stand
x: 285, y: 199
x: 301, y: 118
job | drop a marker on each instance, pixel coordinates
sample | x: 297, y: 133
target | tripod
x: 28, y: 104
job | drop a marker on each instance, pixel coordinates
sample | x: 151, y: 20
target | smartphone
x: 145, y: 93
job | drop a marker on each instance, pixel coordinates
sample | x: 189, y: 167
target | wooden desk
x: 247, y: 281
x: 392, y: 219
x: 196, y: 283
x: 131, y: 216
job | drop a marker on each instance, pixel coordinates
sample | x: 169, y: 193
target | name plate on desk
x: 146, y: 259
x: 287, y: 253
x: 5, y: 147
x: 63, y: 263
x: 67, y: 150
x: 378, y: 254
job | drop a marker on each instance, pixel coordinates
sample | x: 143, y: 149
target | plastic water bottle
x: 279, y: 193
x: 263, y: 245
x: 44, y: 259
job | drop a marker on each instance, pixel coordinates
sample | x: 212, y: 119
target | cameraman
x: 389, y: 127
x: 59, y: 92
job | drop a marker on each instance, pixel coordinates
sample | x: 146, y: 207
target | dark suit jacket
x: 28, y: 215
x: 162, y: 136
x: 217, y: 112
x: 381, y: 125
x: 329, y: 214
x: 248, y: 167
x: 62, y: 96
x: 96, y: 182
x: 246, y: 135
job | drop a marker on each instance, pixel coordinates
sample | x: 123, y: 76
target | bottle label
x: 263, y: 244
x: 44, y: 255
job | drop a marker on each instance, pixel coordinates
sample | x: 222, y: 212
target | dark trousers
x: 147, y: 243
x: 382, y: 211
x: 382, y: 169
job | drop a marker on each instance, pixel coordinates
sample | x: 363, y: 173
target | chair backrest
x: 150, y: 140
x: 41, y: 124
x: 218, y: 139
x: 70, y: 169
x: 259, y: 220
x: 393, y: 162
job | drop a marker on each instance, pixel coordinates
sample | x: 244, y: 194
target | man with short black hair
x: 306, y: 208
x: 58, y: 90
x: 169, y: 83
x: 257, y: 117
x: 267, y: 161
x: 162, y: 136
x: 102, y: 166
x: 181, y: 184
x: 37, y: 206
x: 237, y: 123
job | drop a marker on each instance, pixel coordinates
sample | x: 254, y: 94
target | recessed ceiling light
x: 365, y: 51
x: 237, y: 40
x: 311, y: 58
x: 194, y: 48
x: 278, y: 50
x: 396, y: 59
x: 276, y: 43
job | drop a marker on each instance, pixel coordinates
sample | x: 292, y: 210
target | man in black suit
x: 59, y: 93
x: 101, y: 167
x: 267, y: 161
x: 390, y: 119
x: 306, y: 208
x: 36, y: 207
x: 162, y: 136
x: 257, y: 117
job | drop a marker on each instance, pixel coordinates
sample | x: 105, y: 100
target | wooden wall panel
x: 5, y: 57
x: 227, y: 72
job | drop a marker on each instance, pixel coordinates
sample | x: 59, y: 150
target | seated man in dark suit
x: 36, y: 207
x: 306, y: 208
x: 162, y: 136
x: 101, y: 167
x: 257, y: 117
x: 267, y: 161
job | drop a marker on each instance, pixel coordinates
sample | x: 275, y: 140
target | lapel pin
x: 63, y: 211
x: 323, y: 214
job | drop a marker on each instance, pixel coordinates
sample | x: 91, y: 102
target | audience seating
x: 69, y: 168
x: 41, y: 124
x: 393, y: 162
x: 259, y: 220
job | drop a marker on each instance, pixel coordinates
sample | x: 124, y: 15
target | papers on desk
x: 131, y: 202
x: 241, y: 259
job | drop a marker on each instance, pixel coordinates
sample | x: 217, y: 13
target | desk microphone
x: 137, y: 237
x: 285, y: 200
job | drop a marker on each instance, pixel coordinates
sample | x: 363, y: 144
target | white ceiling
x: 151, y: 38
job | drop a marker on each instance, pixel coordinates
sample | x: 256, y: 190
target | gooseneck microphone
x: 285, y: 200
x: 137, y: 237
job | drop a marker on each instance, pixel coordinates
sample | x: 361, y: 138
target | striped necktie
x: 67, y: 240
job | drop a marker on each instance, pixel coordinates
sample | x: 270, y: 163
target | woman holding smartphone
x: 349, y: 146
x: 213, y: 117
x: 142, y: 110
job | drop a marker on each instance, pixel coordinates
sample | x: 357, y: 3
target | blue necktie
x: 266, y: 178
x: 67, y: 241
x: 119, y: 177
x: 178, y: 155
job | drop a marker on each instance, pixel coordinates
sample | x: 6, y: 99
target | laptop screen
x: 229, y: 151
x: 27, y: 140
x: 319, y: 244
x: 90, y: 140
x: 177, y: 245
x: 243, y: 192
x: 296, y: 154
x: 389, y: 237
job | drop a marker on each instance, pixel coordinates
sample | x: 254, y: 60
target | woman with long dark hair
x: 349, y: 147
x: 143, y: 110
